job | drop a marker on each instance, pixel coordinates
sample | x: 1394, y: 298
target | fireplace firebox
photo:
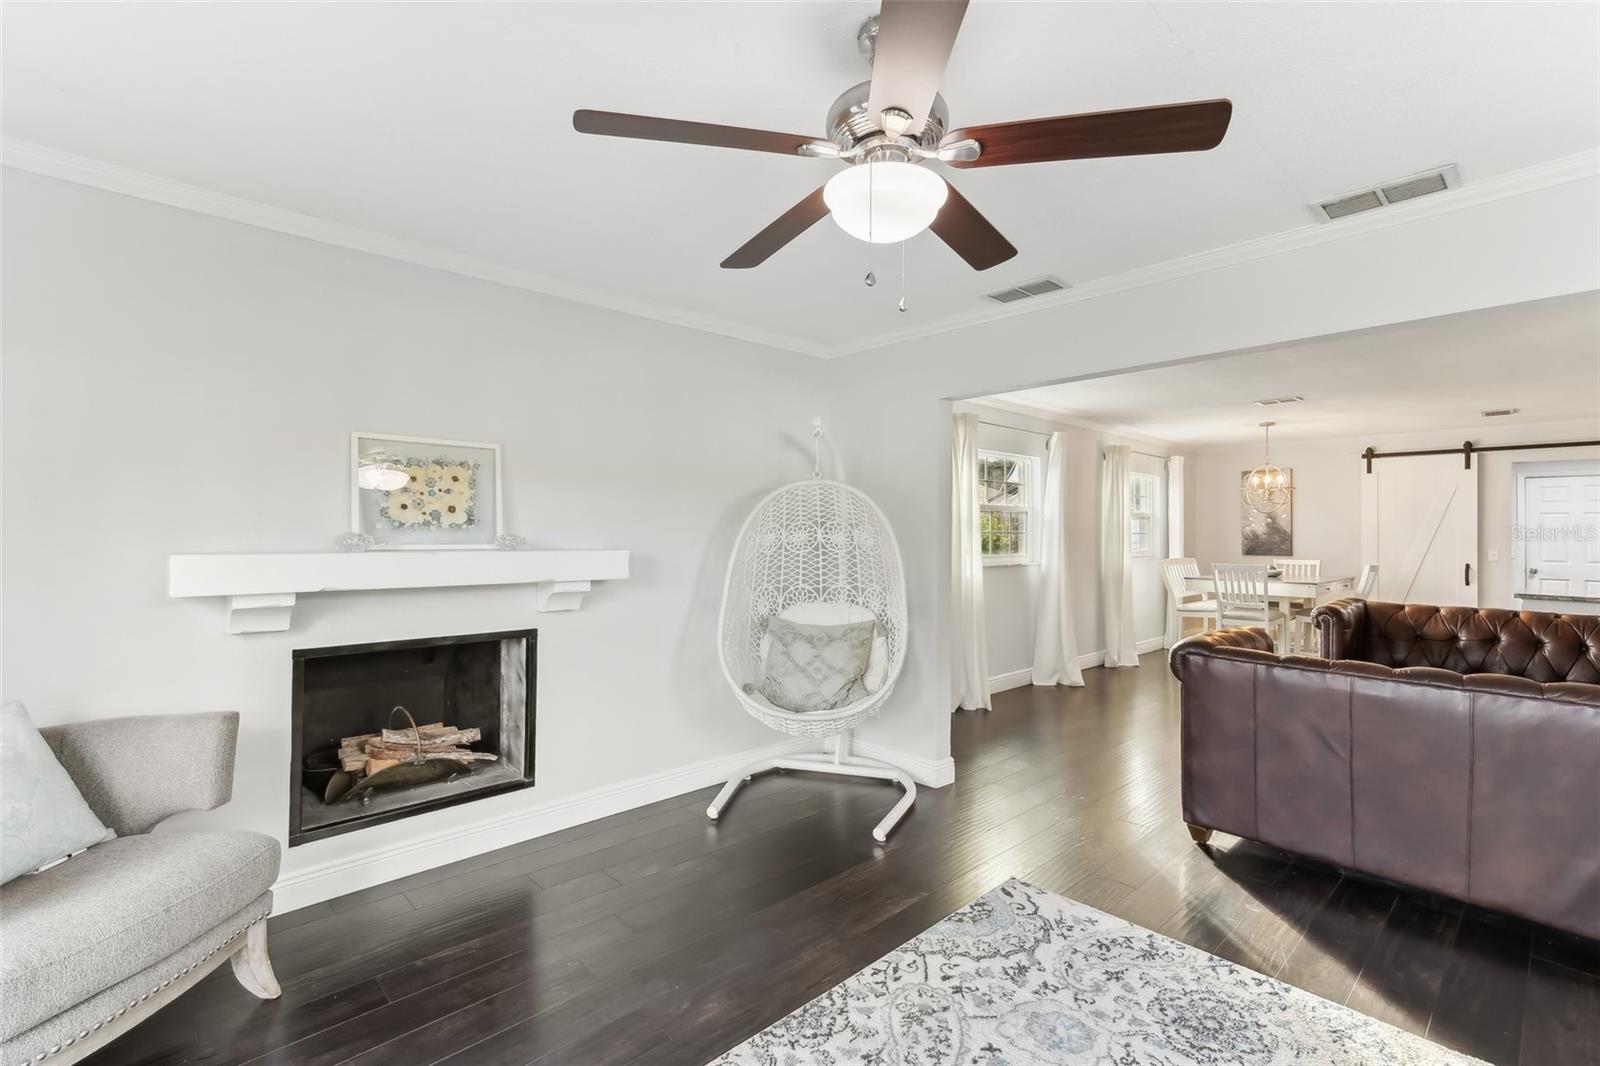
x: 472, y: 697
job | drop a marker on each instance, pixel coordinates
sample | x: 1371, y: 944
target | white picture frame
x: 368, y: 506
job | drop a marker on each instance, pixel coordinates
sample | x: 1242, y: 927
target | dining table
x: 1284, y: 594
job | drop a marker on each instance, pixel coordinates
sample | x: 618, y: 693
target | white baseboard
x: 1098, y: 658
x: 935, y: 773
x: 347, y: 873
x: 1015, y: 679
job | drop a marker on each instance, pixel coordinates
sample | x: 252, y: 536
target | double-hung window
x: 1142, y: 489
x: 1007, y: 494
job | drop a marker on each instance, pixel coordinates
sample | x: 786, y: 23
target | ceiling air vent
x: 1278, y: 401
x: 1500, y: 413
x: 1393, y: 192
x: 1037, y: 287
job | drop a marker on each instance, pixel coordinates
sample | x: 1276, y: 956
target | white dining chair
x: 1300, y: 608
x: 1173, y: 572
x: 1304, y: 633
x: 1242, y: 600
x: 1368, y: 582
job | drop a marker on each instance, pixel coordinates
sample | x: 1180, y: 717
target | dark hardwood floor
x: 656, y: 937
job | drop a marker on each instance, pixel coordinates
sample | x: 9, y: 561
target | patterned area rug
x: 1022, y: 977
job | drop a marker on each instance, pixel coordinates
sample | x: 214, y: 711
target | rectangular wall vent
x: 1037, y: 287
x: 1277, y: 401
x: 1500, y: 413
x: 1391, y: 192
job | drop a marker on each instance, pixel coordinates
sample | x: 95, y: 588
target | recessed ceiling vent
x: 1500, y: 413
x: 1037, y: 287
x: 1394, y: 192
x: 1278, y: 401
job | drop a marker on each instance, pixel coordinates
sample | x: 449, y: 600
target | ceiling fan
x: 889, y: 128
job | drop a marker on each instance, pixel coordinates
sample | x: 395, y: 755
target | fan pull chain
x: 871, y: 278
x: 903, y: 276
x: 816, y: 445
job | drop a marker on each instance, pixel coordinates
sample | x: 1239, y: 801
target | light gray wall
x: 1327, y: 495
x: 176, y: 383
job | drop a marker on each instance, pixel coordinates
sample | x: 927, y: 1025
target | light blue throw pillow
x: 44, y: 815
x: 815, y: 668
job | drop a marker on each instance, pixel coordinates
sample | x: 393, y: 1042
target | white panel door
x: 1561, y: 535
x: 1419, y: 523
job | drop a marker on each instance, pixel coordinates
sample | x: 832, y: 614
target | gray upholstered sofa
x: 96, y: 944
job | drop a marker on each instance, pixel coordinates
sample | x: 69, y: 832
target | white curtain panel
x: 969, y: 643
x: 1116, y: 560
x: 1055, y: 643
x: 1174, y: 533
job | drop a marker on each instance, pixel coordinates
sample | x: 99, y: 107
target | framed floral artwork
x: 421, y: 493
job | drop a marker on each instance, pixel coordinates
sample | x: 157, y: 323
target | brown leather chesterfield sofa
x: 1454, y: 749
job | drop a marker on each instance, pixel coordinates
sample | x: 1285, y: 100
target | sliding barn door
x: 1419, y: 523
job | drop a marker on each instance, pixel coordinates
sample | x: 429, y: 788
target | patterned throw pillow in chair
x: 815, y: 668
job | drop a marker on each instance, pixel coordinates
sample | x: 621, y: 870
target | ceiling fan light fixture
x: 885, y: 202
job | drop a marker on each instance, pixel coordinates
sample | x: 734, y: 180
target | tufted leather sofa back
x: 1539, y: 646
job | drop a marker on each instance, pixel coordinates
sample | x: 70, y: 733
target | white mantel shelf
x: 261, y: 589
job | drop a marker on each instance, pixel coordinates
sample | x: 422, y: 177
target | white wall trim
x: 1089, y: 660
x: 1485, y: 431
x: 1014, y: 679
x: 349, y: 872
x: 38, y: 159
x: 1002, y: 408
x: 935, y: 773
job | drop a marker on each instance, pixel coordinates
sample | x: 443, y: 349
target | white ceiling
x: 449, y: 124
x: 1542, y: 358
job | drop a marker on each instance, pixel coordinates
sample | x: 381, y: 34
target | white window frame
x: 1029, y: 467
x: 1148, y: 514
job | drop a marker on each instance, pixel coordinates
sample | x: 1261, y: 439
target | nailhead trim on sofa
x: 230, y: 938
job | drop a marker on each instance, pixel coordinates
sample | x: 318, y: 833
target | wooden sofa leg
x: 1199, y: 834
x: 251, y: 965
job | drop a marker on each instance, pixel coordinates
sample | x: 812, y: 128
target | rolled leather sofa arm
x: 1250, y: 638
x: 1341, y: 627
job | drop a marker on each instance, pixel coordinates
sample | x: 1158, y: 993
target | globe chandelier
x: 1267, y: 488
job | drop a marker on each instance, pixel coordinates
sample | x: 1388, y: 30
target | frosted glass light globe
x: 886, y: 202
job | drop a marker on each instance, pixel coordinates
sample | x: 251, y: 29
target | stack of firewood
x: 371, y: 752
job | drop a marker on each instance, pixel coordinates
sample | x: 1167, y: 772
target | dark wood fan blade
x: 789, y: 225
x: 969, y: 234
x: 1191, y: 127
x: 646, y: 128
x: 914, y: 42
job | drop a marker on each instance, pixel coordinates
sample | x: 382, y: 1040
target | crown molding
x: 1579, y: 167
x: 1004, y: 407
x: 1481, y: 434
x: 37, y: 159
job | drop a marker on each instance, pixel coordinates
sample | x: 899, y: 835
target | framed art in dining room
x: 422, y: 493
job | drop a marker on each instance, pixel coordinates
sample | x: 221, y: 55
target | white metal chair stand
x: 840, y: 762
x: 821, y: 553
